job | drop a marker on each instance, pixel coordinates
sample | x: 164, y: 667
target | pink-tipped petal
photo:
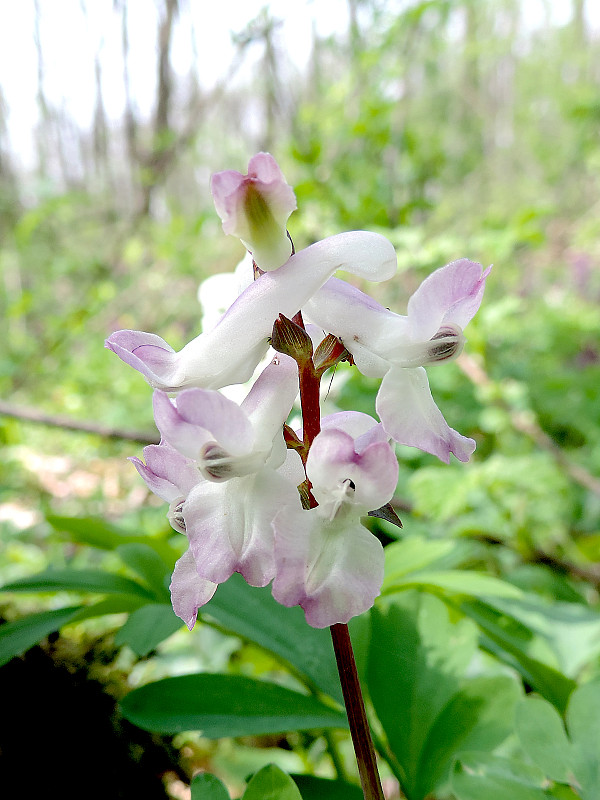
x: 188, y: 590
x: 167, y: 473
x: 334, y: 571
x: 147, y: 353
x: 255, y: 208
x: 450, y: 295
x: 411, y: 417
x: 333, y: 460
x: 201, y: 415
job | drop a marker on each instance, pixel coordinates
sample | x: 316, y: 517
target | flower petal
x: 334, y: 571
x: 230, y: 351
x: 199, y: 416
x: 188, y: 590
x: 332, y: 460
x: 147, y: 353
x: 167, y: 473
x: 255, y: 207
x: 270, y: 400
x: 229, y: 525
x: 450, y: 295
x: 411, y: 417
x: 366, y: 328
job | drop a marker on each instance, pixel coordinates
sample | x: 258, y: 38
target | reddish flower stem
x: 340, y: 635
x: 357, y: 716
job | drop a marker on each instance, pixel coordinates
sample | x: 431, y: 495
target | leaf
x: 583, y: 723
x: 225, y: 705
x: 270, y: 783
x: 18, y: 636
x: 147, y: 627
x: 574, y: 760
x: 313, y: 788
x: 78, y: 580
x: 97, y: 532
x: 457, y: 581
x: 482, y: 776
x: 543, y: 738
x: 478, y: 717
x: 414, y: 553
x: 416, y: 676
x: 521, y: 648
x: 146, y: 562
x: 253, y: 614
x: 208, y: 787
x: 571, y: 630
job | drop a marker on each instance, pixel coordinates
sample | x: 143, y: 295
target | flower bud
x: 329, y: 353
x: 255, y: 208
x: 292, y: 340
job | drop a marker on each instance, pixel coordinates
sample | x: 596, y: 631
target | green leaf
x: 481, y: 776
x: 225, y: 705
x: 208, y: 787
x: 571, y: 630
x: 414, y: 553
x: 416, y: 676
x: 543, y: 738
x: 89, y: 530
x: 523, y: 649
x: 97, y: 532
x: 313, y: 788
x: 147, y: 627
x: 78, y: 580
x: 583, y: 722
x: 113, y: 604
x: 146, y: 562
x: 270, y: 783
x: 254, y: 615
x: 465, y: 582
x: 18, y: 636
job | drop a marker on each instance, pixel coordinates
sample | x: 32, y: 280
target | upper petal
x: 270, y: 400
x: 410, y: 416
x: 333, y: 459
x: 451, y: 294
x: 366, y: 328
x: 230, y: 351
x: 255, y: 207
x: 201, y: 415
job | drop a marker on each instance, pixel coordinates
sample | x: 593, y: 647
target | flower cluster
x: 250, y: 494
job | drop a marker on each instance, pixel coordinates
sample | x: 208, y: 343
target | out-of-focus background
x: 455, y: 127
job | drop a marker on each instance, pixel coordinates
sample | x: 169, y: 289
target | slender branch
x: 527, y: 423
x: 357, y: 716
x: 67, y: 423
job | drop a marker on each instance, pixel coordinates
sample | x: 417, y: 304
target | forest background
x: 456, y: 128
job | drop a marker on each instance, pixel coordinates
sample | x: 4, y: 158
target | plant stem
x: 357, y: 717
x: 355, y: 708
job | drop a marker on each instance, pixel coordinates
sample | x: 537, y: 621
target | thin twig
x: 70, y: 424
x: 527, y: 424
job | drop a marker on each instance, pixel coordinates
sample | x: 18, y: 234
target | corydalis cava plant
x: 290, y: 516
